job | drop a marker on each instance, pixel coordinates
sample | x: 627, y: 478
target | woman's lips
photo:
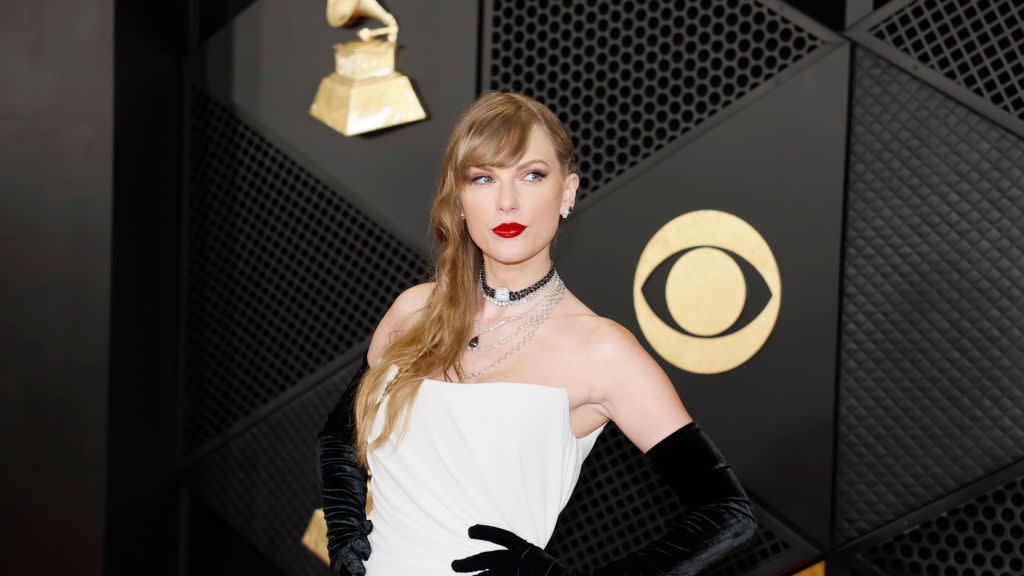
x: 508, y: 229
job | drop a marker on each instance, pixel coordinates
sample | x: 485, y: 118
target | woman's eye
x: 540, y: 176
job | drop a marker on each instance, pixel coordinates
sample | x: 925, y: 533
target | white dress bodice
x: 498, y: 453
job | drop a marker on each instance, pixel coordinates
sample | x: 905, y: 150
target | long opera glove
x: 719, y: 519
x: 343, y: 486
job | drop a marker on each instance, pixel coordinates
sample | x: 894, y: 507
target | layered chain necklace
x: 547, y: 298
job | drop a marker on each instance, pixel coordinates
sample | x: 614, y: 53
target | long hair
x: 494, y: 131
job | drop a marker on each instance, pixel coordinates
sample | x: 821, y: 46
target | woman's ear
x: 572, y: 182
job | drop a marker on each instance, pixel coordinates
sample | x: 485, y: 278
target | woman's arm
x: 719, y: 517
x: 638, y: 396
x: 343, y: 486
x: 642, y: 401
x: 718, y: 520
x: 342, y: 480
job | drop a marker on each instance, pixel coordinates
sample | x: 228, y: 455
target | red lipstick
x: 508, y: 229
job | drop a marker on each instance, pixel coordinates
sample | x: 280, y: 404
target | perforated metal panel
x: 264, y: 481
x: 981, y: 537
x: 618, y: 505
x: 931, y: 394
x: 285, y: 274
x: 627, y: 78
x: 977, y: 45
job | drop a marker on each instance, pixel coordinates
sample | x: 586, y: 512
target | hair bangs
x: 497, y: 141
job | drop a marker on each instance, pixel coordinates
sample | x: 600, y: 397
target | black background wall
x: 91, y: 168
x: 56, y: 170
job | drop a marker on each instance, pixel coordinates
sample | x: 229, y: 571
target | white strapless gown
x: 498, y: 453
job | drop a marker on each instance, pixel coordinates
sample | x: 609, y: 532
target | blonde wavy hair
x: 494, y: 131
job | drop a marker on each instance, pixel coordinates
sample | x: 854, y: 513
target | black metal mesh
x: 285, y: 274
x: 982, y: 537
x: 975, y: 44
x: 627, y: 78
x: 264, y: 481
x: 620, y: 504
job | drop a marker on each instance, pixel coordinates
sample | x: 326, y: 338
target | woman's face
x: 512, y: 213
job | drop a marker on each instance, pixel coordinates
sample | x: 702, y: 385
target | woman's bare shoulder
x: 631, y: 386
x: 584, y: 321
x: 404, y: 307
x: 600, y: 351
x: 607, y: 342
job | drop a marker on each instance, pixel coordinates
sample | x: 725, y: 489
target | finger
x: 497, y: 535
x: 353, y: 564
x: 367, y: 526
x: 362, y: 546
x: 481, y: 561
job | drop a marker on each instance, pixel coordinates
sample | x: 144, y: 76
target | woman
x: 502, y: 380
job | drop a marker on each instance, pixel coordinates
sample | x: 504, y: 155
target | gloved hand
x: 348, y: 560
x: 343, y: 486
x: 719, y: 519
x: 520, y: 558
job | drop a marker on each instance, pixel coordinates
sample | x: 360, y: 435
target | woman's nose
x: 508, y: 200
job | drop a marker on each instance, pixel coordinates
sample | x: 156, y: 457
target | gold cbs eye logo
x: 705, y: 291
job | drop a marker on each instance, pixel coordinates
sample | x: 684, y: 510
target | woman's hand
x: 357, y: 549
x: 521, y: 557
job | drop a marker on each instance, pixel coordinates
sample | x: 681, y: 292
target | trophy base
x: 354, y: 106
x: 315, y: 536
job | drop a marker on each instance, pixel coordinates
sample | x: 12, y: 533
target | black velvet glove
x: 719, y: 519
x: 519, y: 558
x: 343, y: 486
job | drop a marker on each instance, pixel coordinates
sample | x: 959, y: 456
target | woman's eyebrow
x: 528, y: 162
x: 521, y: 165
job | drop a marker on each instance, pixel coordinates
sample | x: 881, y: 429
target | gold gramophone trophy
x: 365, y: 93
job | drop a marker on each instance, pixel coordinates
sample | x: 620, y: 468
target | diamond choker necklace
x: 502, y: 296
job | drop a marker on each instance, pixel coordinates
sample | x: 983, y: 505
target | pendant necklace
x: 532, y: 324
x: 502, y: 296
x: 474, y: 343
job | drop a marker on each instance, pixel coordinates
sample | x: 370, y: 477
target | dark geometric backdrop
x: 931, y: 380
x: 883, y: 166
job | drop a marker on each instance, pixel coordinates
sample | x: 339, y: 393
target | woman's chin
x: 511, y: 254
